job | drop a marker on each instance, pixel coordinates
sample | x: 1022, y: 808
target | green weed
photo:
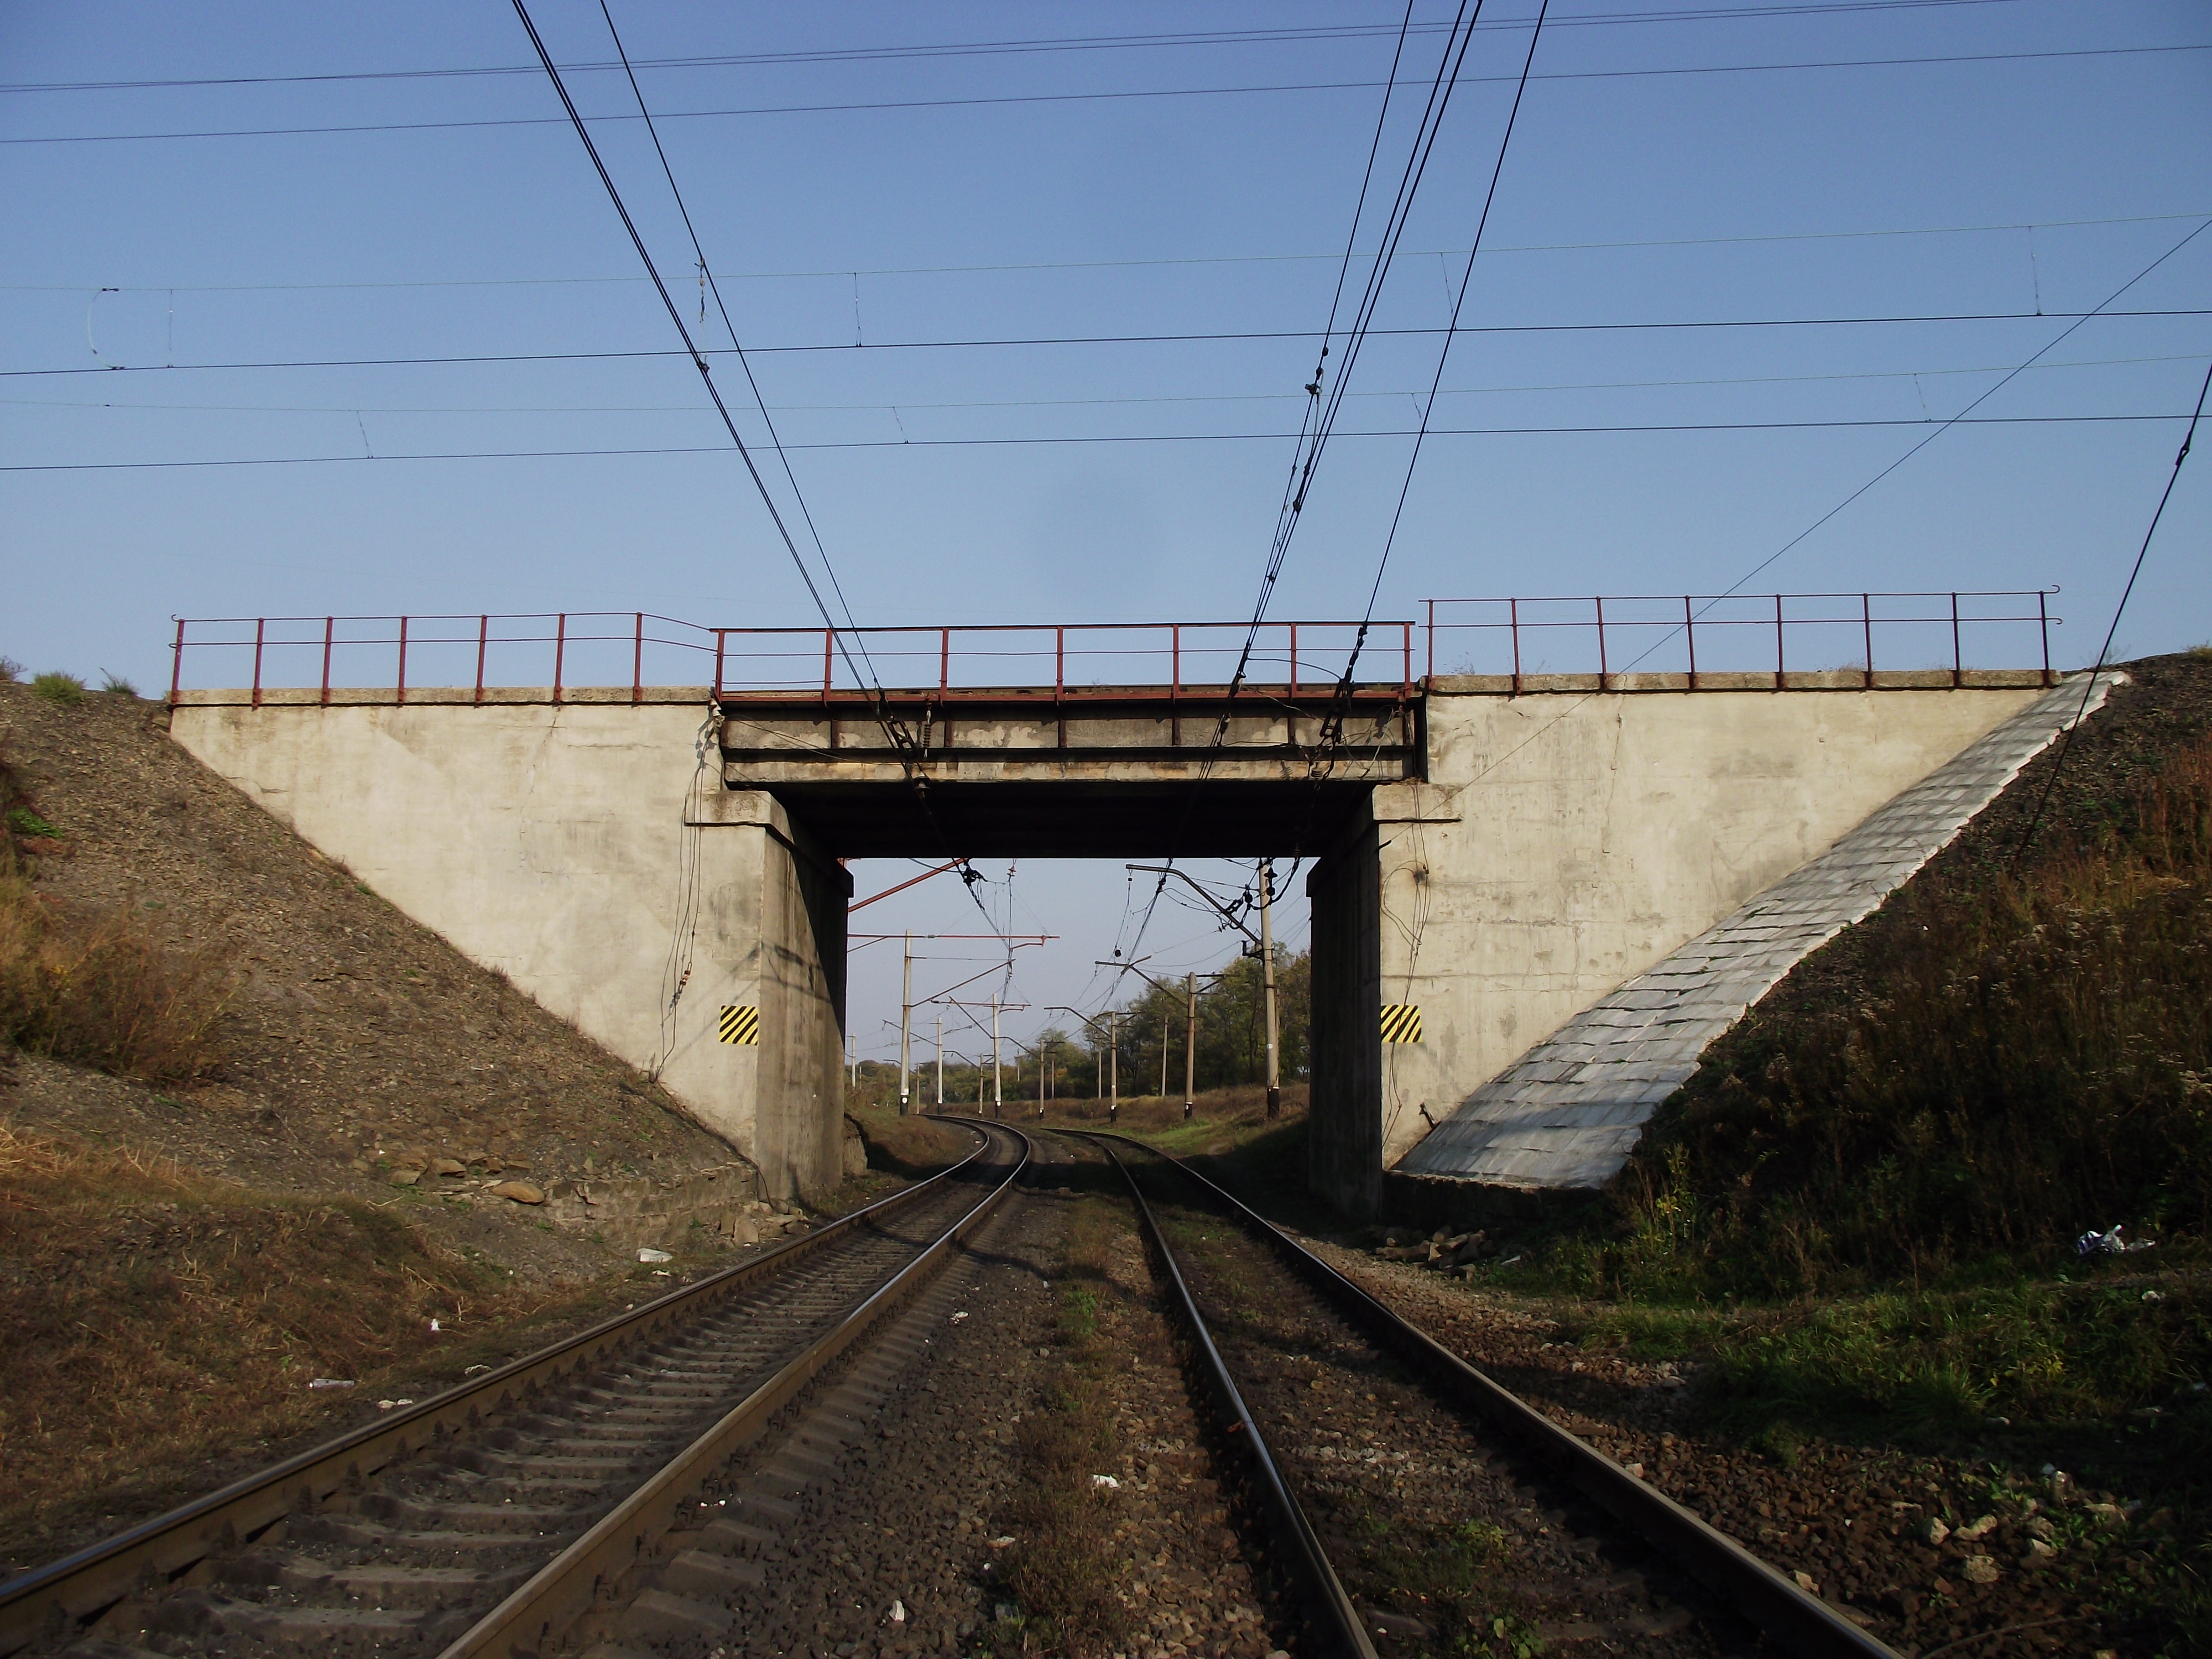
x: 24, y: 822
x: 57, y: 687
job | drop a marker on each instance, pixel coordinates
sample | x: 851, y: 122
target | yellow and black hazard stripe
x: 1401, y: 1022
x: 740, y: 1025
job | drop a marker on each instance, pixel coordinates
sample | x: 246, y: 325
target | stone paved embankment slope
x: 1569, y: 1112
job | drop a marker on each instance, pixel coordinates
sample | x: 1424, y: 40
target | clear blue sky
x: 1672, y: 163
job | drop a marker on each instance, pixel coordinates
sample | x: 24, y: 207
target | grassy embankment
x: 1902, y: 1146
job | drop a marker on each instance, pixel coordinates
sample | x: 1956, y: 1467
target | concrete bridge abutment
x: 587, y: 850
x: 1492, y: 858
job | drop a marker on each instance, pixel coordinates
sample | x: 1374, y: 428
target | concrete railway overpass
x: 1510, y: 844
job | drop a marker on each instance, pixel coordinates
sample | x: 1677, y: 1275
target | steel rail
x: 531, y: 1620
x: 1800, y: 1622
x: 1336, y: 1615
x: 80, y: 1587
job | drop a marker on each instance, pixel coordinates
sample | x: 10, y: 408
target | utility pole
x: 1114, y: 1062
x: 940, y: 1060
x: 1267, y: 978
x: 852, y: 1060
x: 1044, y: 1070
x: 1190, y: 1028
x: 906, y: 1014
x: 1190, y: 1045
x: 998, y: 1087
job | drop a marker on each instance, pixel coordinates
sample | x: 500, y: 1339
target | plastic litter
x: 1002, y: 1542
x: 649, y: 1254
x: 1107, y: 1481
x: 962, y: 1314
x: 433, y: 1328
x: 2154, y: 1296
x: 2109, y: 1242
x: 331, y: 1382
x: 473, y: 1370
x: 897, y: 1614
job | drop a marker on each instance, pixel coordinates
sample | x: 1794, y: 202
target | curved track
x: 1566, y: 1536
x: 484, y: 1521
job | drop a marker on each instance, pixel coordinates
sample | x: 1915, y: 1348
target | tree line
x: 1150, y: 1024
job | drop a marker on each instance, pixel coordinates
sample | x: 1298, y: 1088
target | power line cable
x: 2050, y: 346
x: 901, y: 741
x: 1012, y: 342
x: 1960, y: 419
x: 1323, y: 408
x: 351, y: 408
x: 1295, y: 35
x: 2105, y: 652
x: 1332, y: 732
x: 648, y: 450
x: 698, y: 360
x: 2023, y: 227
x: 707, y: 273
x: 1020, y: 98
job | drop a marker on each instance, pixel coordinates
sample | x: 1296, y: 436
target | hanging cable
x: 901, y: 739
x: 1325, y: 400
x: 1332, y: 732
x: 2104, y: 654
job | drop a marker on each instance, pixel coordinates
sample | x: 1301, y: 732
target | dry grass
x: 1063, y: 1572
x: 100, y: 989
x: 154, y: 1318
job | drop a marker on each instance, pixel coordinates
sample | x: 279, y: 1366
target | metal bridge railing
x: 1696, y: 636
x: 1703, y: 634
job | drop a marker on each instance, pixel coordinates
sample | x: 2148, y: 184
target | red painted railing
x: 1081, y: 661
x: 1766, y: 634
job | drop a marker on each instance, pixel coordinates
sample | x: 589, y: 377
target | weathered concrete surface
x: 1102, y: 772
x: 578, y: 848
x: 1565, y: 842
x: 1569, y: 1111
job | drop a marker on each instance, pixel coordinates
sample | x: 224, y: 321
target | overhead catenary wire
x: 1962, y: 418
x: 1191, y: 337
x: 351, y: 408
x: 1325, y: 394
x: 2105, y: 652
x: 707, y: 275
x: 1017, y: 99
x: 698, y: 360
x: 355, y: 458
x: 1109, y: 265
x: 893, y: 729
x: 1332, y: 732
x: 1295, y: 34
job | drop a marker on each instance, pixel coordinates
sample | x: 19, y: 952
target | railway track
x: 491, y: 1520
x: 1415, y: 1505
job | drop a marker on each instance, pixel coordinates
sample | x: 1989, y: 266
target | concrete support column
x: 1344, y: 1140
x: 768, y: 937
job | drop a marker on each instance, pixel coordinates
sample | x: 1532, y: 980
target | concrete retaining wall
x: 578, y: 848
x: 1565, y: 842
